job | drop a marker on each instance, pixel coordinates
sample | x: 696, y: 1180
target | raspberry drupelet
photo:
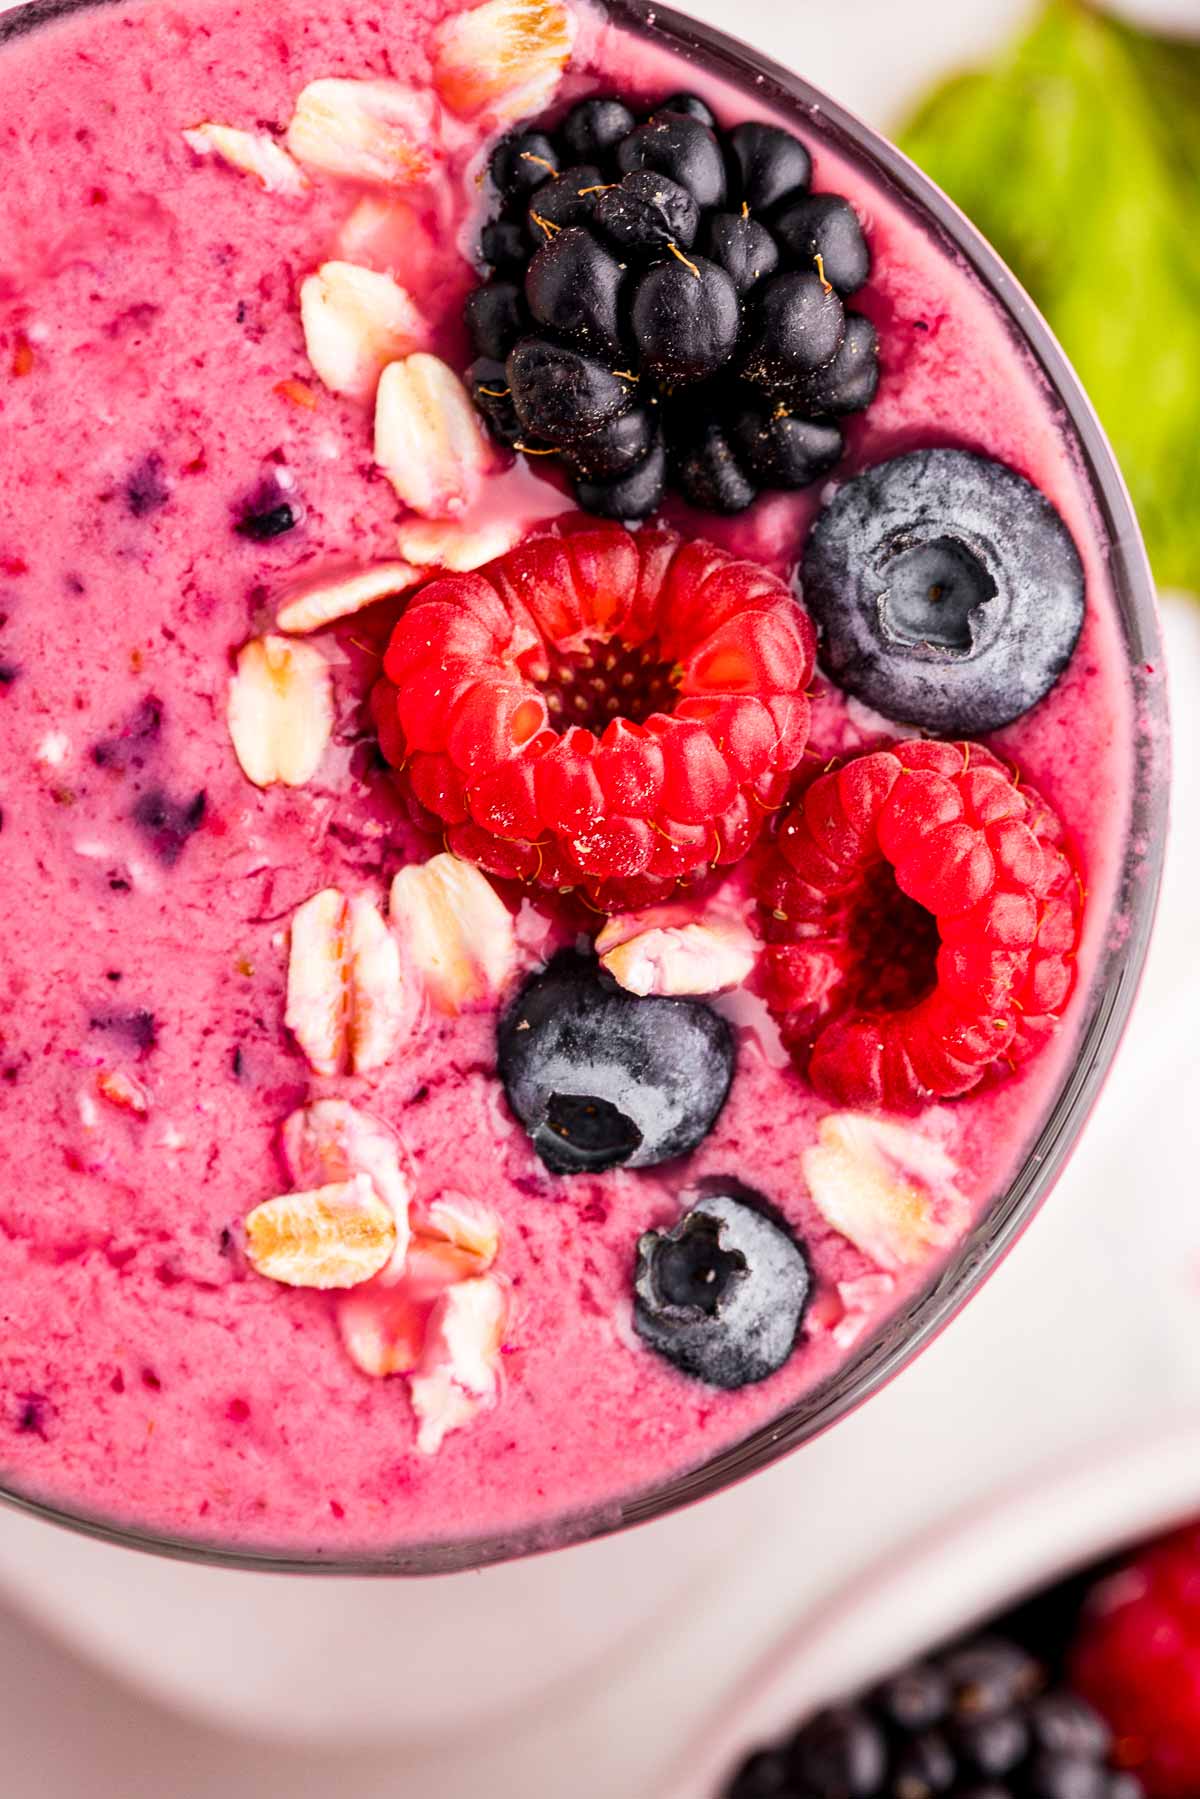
x: 921, y: 915
x: 599, y: 709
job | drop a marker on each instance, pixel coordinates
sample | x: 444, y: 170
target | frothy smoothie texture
x: 566, y: 760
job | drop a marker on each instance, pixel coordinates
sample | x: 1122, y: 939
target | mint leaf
x: 1078, y: 156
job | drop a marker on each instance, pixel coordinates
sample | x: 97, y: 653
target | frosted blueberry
x: 600, y: 1077
x: 947, y: 589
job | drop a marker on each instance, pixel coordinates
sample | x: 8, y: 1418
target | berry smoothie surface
x: 518, y: 967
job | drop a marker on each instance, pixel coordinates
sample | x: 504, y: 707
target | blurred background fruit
x: 1076, y: 150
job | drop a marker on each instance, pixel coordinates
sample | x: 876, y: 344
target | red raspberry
x: 1138, y: 1661
x: 599, y: 709
x: 922, y: 916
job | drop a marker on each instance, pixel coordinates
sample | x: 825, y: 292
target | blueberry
x: 993, y: 1745
x: 683, y: 148
x: 722, y: 1293
x: 848, y: 383
x: 267, y: 515
x: 1063, y: 1776
x: 166, y: 823
x: 561, y: 393
x: 1063, y: 1722
x: 487, y: 380
x: 840, y: 1752
x: 648, y: 211
x: 8, y: 674
x: 948, y: 591
x: 990, y: 1675
x: 798, y: 327
x: 914, y: 1699
x: 685, y: 319
x: 503, y: 244
x: 781, y: 450
x: 496, y: 316
x: 138, y: 1029
x: 570, y: 199
x: 763, y: 1775
x: 925, y: 1765
x: 129, y: 746
x: 146, y: 489
x: 594, y: 127
x: 600, y: 1078
x: 705, y: 467
x: 631, y: 496
x: 771, y: 164
x: 827, y: 226
x: 691, y: 106
x: 573, y: 286
x: 616, y: 447
x: 522, y: 161
x: 742, y: 247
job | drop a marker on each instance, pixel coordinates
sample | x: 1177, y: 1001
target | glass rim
x: 1114, y: 984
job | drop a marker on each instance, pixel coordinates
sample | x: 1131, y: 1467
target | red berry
x: 1137, y: 1660
x: 921, y: 918
x: 599, y: 708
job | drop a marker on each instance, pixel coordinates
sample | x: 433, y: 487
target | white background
x: 1090, y: 1329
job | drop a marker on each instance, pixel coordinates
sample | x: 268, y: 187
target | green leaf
x: 1078, y: 155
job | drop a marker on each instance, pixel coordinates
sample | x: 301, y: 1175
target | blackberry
x: 503, y: 245
x: 684, y: 148
x: 685, y: 320
x: 633, y: 495
x: 826, y: 226
x: 496, y: 316
x: 573, y: 287
x: 742, y: 247
x: 566, y: 199
x: 487, y: 380
x: 847, y: 383
x: 652, y: 255
x: 615, y: 447
x: 707, y: 470
x: 772, y: 165
x: 595, y: 127
x: 692, y: 107
x: 974, y: 1722
x: 523, y: 161
x: 780, y: 450
x: 561, y: 394
x: 645, y: 211
x: 799, y: 327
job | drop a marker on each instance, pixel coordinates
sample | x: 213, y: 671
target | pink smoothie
x: 153, y: 378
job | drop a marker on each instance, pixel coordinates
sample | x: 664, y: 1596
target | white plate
x: 953, y: 1576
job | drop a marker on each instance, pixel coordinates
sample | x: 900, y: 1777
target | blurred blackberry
x: 978, y: 1721
x: 663, y: 262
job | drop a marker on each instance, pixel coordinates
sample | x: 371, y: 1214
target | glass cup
x: 1107, y: 1004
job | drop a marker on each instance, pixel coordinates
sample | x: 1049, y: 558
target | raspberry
x: 921, y: 916
x: 1137, y: 1660
x: 598, y: 709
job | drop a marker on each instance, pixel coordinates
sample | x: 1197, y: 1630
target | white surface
x: 1024, y: 1538
x: 1104, y: 1293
